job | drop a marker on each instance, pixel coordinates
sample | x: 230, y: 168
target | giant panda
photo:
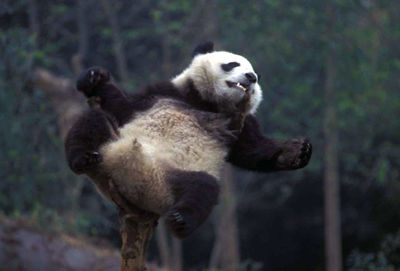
x: 166, y: 146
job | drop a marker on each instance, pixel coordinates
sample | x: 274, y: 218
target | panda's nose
x: 251, y: 77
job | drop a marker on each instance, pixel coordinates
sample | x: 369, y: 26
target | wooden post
x: 137, y: 227
x: 136, y: 234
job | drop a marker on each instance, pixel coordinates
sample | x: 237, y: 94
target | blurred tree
x: 118, y: 47
x: 333, y: 247
x: 33, y: 20
x: 225, y: 253
x: 280, y: 216
x: 81, y: 20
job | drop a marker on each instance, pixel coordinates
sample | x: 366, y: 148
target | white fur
x: 163, y: 138
x: 168, y: 137
x: 210, y: 79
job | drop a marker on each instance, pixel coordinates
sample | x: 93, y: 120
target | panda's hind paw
x: 92, y: 78
x: 179, y: 223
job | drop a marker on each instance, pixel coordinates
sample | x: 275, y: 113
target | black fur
x: 123, y: 105
x: 203, y: 48
x: 91, y: 79
x: 253, y: 151
x: 229, y: 66
x: 195, y: 193
x: 84, y: 139
x: 117, y: 108
x: 250, y: 150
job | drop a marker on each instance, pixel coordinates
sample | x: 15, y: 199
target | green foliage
x: 386, y: 259
x: 32, y: 172
x: 280, y: 215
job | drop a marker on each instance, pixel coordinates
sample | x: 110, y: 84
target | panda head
x: 221, y: 77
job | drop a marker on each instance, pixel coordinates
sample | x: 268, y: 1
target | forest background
x: 330, y: 70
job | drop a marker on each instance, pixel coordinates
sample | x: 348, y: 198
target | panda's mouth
x: 238, y: 85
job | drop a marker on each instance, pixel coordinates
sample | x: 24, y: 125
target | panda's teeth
x: 240, y: 86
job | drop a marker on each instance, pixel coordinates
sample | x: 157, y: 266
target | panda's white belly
x: 164, y: 138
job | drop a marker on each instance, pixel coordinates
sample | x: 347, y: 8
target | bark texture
x: 136, y: 234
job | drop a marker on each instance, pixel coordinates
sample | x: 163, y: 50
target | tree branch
x: 62, y: 94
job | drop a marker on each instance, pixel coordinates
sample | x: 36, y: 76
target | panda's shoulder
x: 151, y: 94
x: 162, y: 89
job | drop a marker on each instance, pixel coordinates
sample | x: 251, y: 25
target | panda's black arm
x: 96, y: 82
x: 253, y: 151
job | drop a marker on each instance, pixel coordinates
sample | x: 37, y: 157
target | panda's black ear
x: 258, y: 75
x: 203, y: 48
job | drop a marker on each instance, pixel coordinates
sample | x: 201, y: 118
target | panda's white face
x: 223, y: 77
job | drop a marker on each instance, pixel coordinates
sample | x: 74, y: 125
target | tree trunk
x: 79, y: 57
x: 210, y: 27
x: 171, y: 254
x: 331, y: 179
x: 117, y: 41
x: 34, y: 25
x: 163, y: 246
x: 137, y: 227
x: 82, y: 27
x: 176, y: 254
x: 225, y: 253
x: 136, y: 235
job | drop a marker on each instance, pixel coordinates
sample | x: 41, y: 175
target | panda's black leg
x: 84, y: 139
x: 195, y: 194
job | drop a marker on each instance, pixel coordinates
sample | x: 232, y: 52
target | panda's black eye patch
x: 229, y: 66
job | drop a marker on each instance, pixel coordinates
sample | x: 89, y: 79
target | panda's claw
x: 92, y: 78
x: 179, y: 223
x: 296, y: 154
x: 178, y: 217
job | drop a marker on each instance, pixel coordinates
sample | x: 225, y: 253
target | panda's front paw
x: 92, y: 78
x: 295, y: 154
x: 180, y: 223
x: 86, y: 161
